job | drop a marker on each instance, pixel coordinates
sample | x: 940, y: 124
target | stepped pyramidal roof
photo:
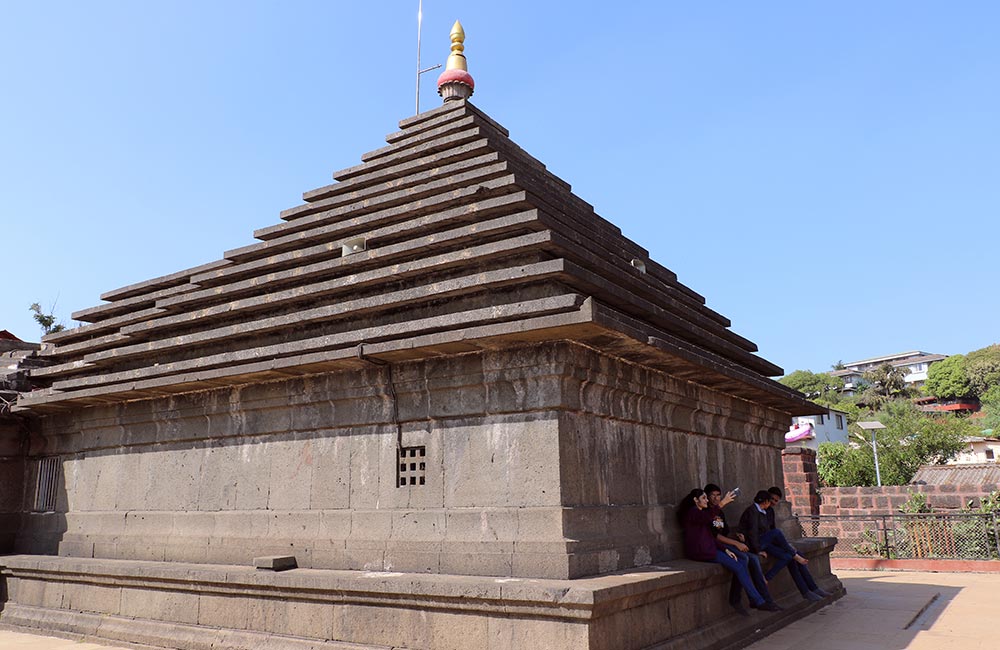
x: 449, y: 239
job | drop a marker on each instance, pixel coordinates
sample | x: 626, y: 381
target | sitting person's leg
x: 779, y: 560
x: 757, y: 576
x: 779, y: 557
x: 739, y: 569
x: 735, y: 591
x: 777, y: 538
x: 809, y: 582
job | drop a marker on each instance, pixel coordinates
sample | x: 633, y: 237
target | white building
x: 978, y: 450
x: 810, y: 430
x: 915, y: 361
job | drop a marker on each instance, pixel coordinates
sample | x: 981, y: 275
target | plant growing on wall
x: 46, y: 321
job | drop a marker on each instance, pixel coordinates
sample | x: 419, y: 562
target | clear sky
x: 826, y: 174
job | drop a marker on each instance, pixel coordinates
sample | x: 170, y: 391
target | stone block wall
x: 887, y: 500
x: 807, y: 498
x: 549, y: 460
x: 11, y: 480
x: 801, y: 480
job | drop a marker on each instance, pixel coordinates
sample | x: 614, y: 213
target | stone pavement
x: 881, y: 611
x: 19, y: 641
x: 900, y: 611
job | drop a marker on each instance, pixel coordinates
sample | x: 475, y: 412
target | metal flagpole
x: 420, y: 20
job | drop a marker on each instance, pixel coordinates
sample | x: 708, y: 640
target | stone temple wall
x: 11, y: 480
x: 548, y: 460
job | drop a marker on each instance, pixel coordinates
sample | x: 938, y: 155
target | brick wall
x: 801, y: 480
x: 888, y: 499
x: 807, y: 498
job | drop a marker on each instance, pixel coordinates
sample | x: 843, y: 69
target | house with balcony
x: 810, y: 430
x: 916, y: 363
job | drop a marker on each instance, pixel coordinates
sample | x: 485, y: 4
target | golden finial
x: 456, y: 82
x: 456, y: 60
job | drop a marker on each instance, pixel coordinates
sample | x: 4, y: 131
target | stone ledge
x: 142, y: 634
x: 577, y: 598
x: 673, y: 606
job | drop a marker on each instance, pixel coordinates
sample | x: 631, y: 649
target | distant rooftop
x: 970, y: 474
x: 889, y: 358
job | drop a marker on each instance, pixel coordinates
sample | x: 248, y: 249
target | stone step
x: 351, y: 339
x: 406, y: 197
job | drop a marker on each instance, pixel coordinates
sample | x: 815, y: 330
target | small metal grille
x: 412, y: 467
x: 46, y: 484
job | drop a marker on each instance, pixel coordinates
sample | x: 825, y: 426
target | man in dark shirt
x: 735, y: 541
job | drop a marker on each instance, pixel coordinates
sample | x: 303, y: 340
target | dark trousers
x: 756, y: 576
x: 777, y: 547
x: 741, y: 573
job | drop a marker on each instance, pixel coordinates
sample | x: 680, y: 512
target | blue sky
x: 826, y: 174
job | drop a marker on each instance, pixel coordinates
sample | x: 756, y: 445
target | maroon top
x: 699, y: 540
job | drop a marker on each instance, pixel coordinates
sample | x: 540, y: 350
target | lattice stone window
x: 46, y: 484
x: 412, y: 467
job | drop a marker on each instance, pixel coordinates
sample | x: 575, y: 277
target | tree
x: 841, y: 464
x: 983, y: 368
x: 46, y: 321
x: 990, y: 401
x: 838, y: 366
x: 883, y: 384
x: 813, y: 384
x: 910, y: 439
x: 948, y: 379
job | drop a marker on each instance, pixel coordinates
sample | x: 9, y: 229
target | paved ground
x: 900, y: 611
x: 881, y: 611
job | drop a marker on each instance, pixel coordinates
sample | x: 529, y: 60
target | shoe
x: 741, y: 610
x: 822, y: 592
x: 767, y: 606
x: 812, y: 595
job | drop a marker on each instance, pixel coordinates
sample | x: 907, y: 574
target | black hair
x: 776, y: 491
x: 712, y: 487
x: 762, y: 496
x: 687, y: 503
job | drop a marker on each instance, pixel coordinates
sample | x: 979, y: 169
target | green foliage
x: 813, y: 384
x: 948, y: 379
x: 982, y: 367
x: 988, y: 505
x: 910, y: 439
x: 990, y: 401
x: 46, y: 321
x: 915, y: 504
x: 842, y: 464
x: 884, y: 383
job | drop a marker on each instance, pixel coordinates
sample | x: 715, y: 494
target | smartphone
x: 736, y: 492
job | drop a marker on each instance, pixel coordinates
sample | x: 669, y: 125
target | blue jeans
x: 739, y: 569
x: 776, y: 546
x: 756, y: 575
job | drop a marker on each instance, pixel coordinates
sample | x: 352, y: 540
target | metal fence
x: 964, y: 536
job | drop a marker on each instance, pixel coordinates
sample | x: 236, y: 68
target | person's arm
x: 738, y: 545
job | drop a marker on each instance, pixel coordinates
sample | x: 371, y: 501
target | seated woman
x: 700, y: 543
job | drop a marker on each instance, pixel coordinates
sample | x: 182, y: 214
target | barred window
x: 46, y: 484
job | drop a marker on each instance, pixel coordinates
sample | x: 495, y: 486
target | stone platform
x: 214, y: 607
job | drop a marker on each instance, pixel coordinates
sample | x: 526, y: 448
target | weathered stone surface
x: 628, y: 611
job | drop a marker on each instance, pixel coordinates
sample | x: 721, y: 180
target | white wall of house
x: 978, y: 450
x: 831, y: 427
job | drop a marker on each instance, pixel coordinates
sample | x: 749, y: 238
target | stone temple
x: 460, y: 399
